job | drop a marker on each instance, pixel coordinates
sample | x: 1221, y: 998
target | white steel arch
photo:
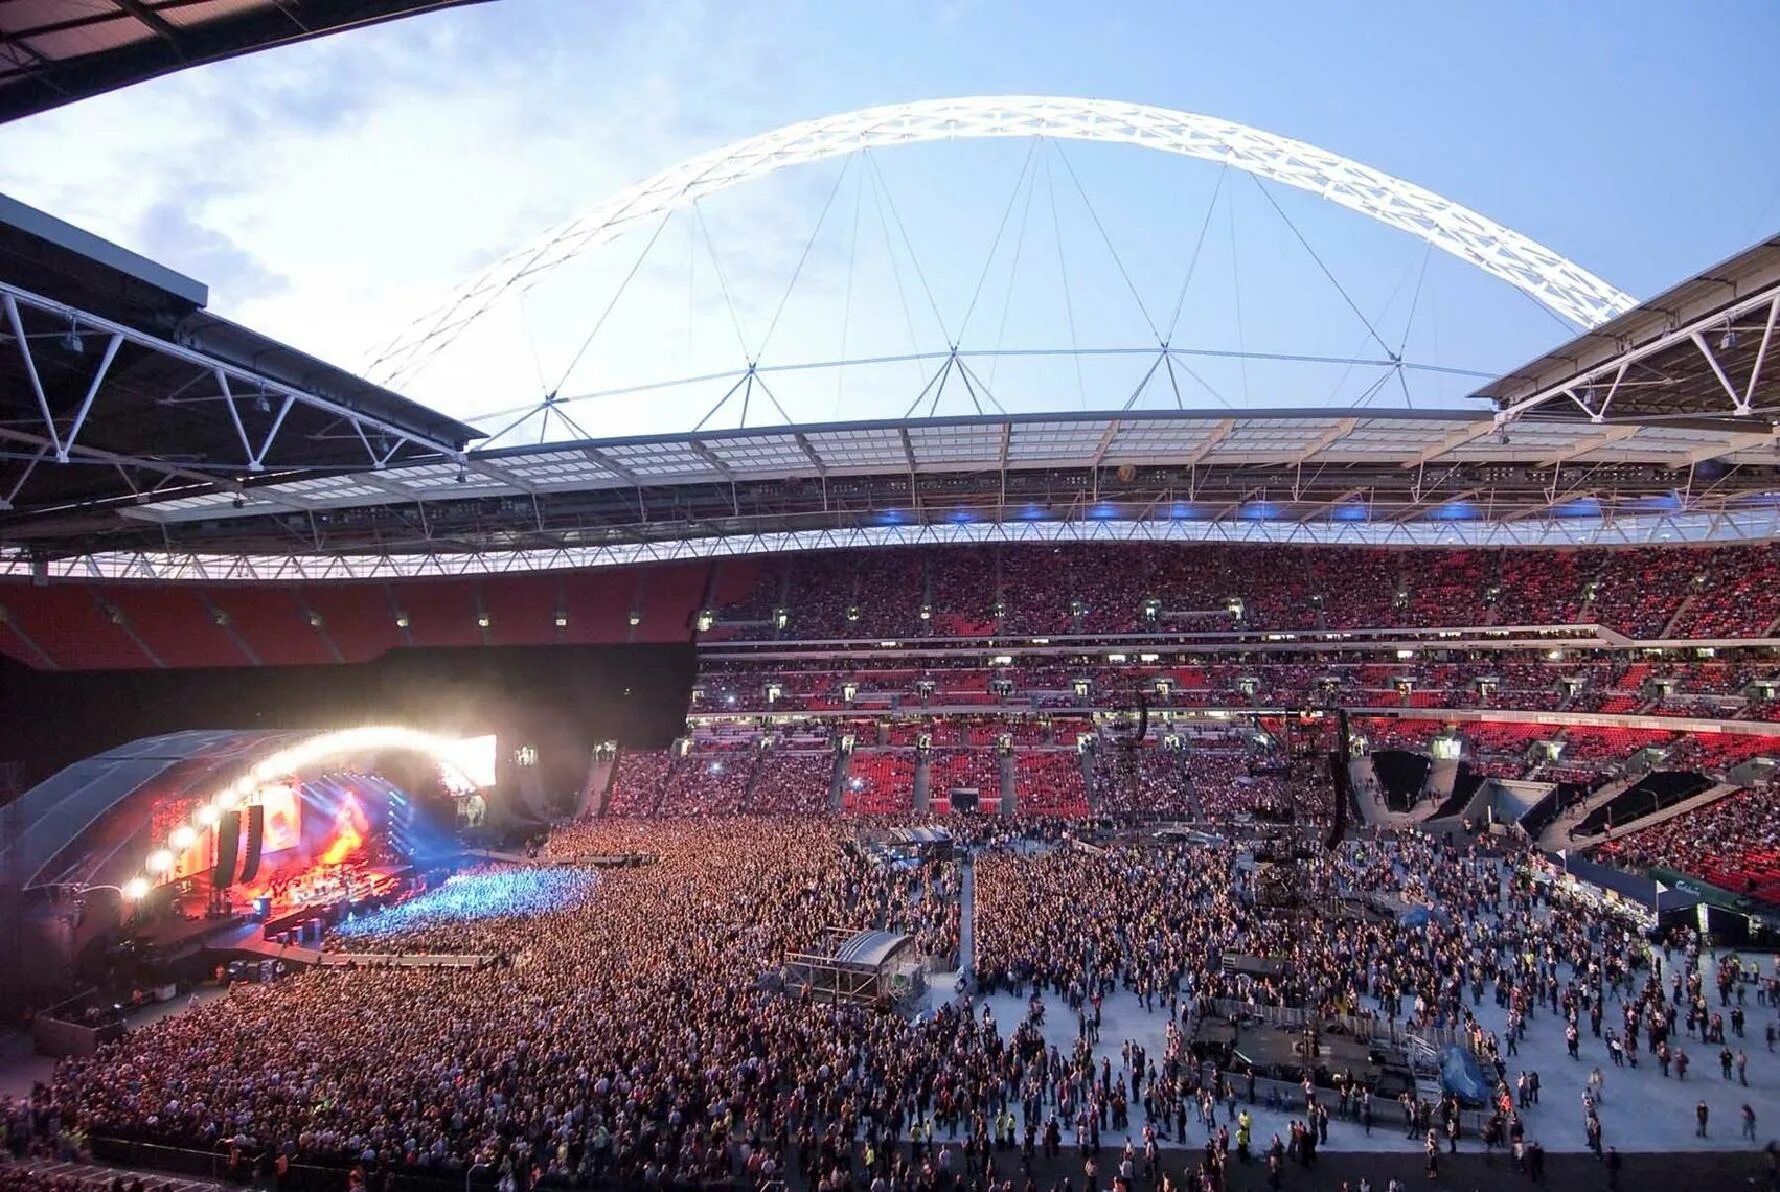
x: 1557, y: 283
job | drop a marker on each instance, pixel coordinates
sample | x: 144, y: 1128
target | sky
x: 333, y: 192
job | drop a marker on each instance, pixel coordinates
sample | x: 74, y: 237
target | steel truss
x: 1557, y: 283
x: 1593, y: 388
x: 250, y: 407
x: 1724, y: 526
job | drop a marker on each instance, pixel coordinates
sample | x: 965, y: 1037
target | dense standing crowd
x: 639, y: 1035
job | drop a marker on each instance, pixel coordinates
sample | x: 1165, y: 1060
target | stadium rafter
x: 118, y: 387
x: 56, y: 53
x: 1348, y: 476
x: 1709, y: 346
x: 1559, y: 284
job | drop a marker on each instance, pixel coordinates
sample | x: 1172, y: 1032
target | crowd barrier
x: 1368, y: 1027
x: 399, y: 960
x: 331, y: 1177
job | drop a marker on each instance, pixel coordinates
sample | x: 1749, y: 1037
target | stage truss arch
x: 1552, y: 280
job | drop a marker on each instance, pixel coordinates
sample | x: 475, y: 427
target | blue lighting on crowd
x: 471, y: 896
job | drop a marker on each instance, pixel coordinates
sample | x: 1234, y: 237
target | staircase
x: 1694, y: 803
x: 592, y: 800
x: 1557, y: 833
x: 1675, y: 617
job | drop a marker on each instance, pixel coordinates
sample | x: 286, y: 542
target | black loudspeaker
x: 256, y: 836
x: 228, y: 844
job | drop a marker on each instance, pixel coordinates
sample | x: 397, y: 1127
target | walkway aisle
x: 967, y: 909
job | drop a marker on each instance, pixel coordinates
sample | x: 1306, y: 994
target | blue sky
x: 331, y: 192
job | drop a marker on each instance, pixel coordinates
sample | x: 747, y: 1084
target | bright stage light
x: 465, y: 765
x: 136, y: 888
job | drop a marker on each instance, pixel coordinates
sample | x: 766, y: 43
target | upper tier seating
x: 1045, y: 591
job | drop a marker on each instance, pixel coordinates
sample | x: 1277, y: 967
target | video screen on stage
x: 283, y: 823
x: 474, y: 758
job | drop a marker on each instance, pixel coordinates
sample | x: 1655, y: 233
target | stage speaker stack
x: 256, y: 836
x: 228, y: 844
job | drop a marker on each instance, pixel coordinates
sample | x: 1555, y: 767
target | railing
x: 331, y: 1177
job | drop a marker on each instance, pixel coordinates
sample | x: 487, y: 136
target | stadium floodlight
x: 1550, y: 279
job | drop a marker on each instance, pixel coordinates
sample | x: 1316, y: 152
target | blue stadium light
x: 1353, y: 511
x: 1455, y: 511
x: 1258, y: 511
x: 1104, y: 511
x: 1183, y: 511
x: 1580, y: 507
x: 1033, y: 513
x: 892, y: 517
x: 961, y: 517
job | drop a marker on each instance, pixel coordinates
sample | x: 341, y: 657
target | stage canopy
x: 101, y: 821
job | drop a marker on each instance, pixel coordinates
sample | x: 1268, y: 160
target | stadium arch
x: 1552, y: 280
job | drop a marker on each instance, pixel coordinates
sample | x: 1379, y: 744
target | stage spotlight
x: 209, y: 815
x: 136, y: 888
x: 182, y: 837
x: 159, y: 861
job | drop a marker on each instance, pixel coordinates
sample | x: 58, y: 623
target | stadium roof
x: 53, y: 52
x: 1706, y: 347
x: 1350, y: 476
x: 142, y: 437
x: 117, y: 386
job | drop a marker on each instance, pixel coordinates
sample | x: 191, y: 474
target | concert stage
x: 132, y: 861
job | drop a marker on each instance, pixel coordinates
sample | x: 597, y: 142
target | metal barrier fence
x: 1368, y: 1027
x: 318, y: 1177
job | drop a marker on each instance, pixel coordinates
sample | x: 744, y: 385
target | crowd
x: 633, y: 1040
x: 1111, y: 589
x: 1734, y: 843
x: 1141, y: 781
x: 640, y: 1037
x: 1703, y: 688
x: 485, y: 912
